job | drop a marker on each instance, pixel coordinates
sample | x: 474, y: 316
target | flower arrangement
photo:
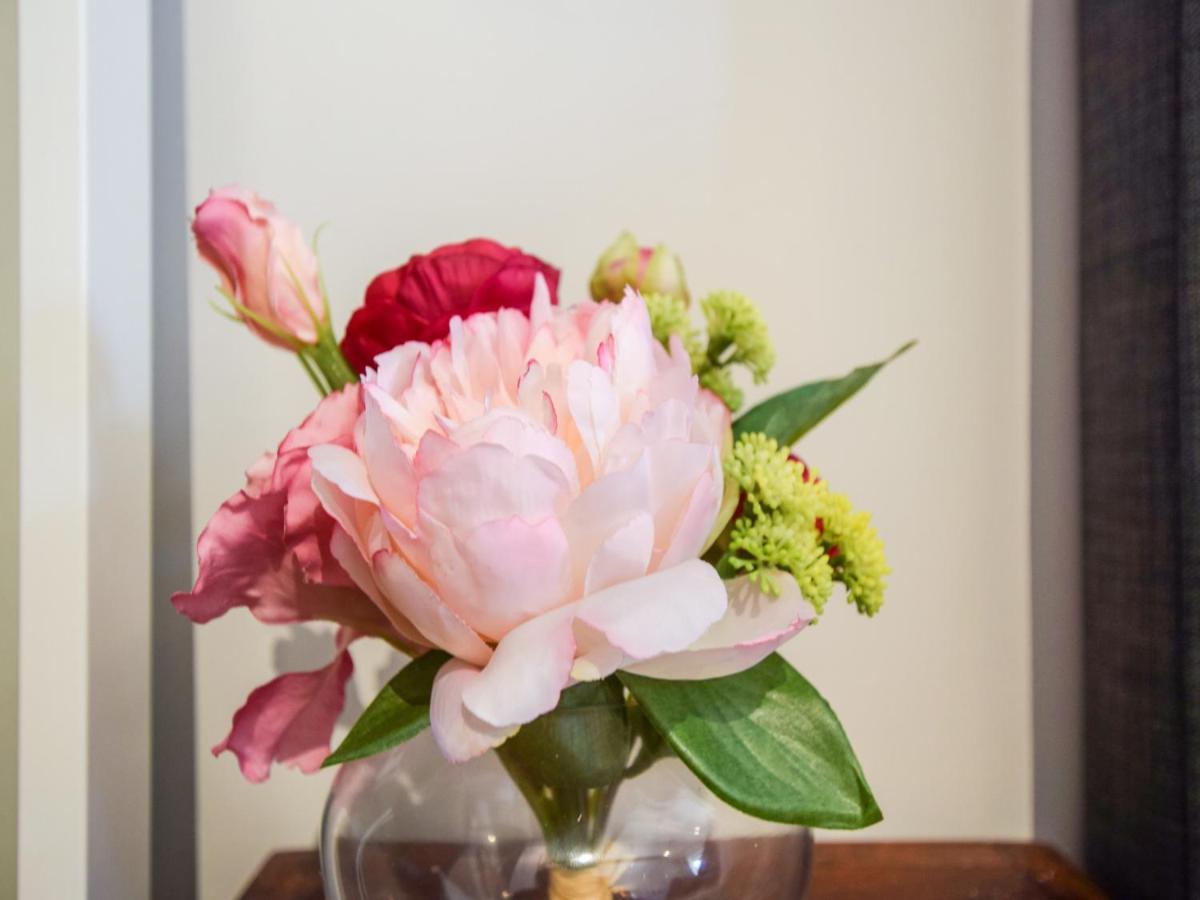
x: 540, y: 506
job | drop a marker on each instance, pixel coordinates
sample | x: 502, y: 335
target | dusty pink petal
x: 460, y: 734
x: 518, y: 570
x: 258, y: 476
x: 526, y: 674
x: 290, y: 719
x: 662, y: 612
x: 622, y: 556
x: 244, y: 562
x: 414, y: 599
x: 307, y: 528
x: 753, y: 627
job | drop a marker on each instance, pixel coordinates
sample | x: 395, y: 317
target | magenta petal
x: 290, y: 719
x: 307, y: 527
x: 244, y: 562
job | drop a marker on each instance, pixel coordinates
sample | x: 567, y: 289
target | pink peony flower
x: 265, y: 265
x: 532, y: 495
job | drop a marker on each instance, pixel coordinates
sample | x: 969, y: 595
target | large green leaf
x: 765, y: 742
x: 788, y: 416
x: 400, y: 711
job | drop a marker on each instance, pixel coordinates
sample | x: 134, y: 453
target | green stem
x: 569, y: 764
x: 322, y: 389
x: 326, y: 355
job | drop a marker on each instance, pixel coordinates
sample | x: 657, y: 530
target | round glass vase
x: 585, y: 803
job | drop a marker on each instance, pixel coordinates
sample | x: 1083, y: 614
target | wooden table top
x: 842, y: 871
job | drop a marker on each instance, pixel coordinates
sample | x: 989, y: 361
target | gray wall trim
x: 1055, y: 525
x: 173, y: 815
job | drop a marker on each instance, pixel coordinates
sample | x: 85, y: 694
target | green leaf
x: 765, y: 742
x: 400, y: 711
x: 789, y: 416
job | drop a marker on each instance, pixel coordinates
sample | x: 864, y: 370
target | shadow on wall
x: 303, y: 649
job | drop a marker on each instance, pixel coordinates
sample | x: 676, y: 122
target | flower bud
x: 268, y: 272
x: 649, y: 270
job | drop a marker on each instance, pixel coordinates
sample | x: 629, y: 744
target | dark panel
x: 1132, y: 480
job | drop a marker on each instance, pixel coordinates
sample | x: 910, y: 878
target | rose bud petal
x: 648, y: 270
x: 268, y: 272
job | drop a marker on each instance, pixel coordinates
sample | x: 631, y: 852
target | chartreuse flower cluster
x: 790, y: 521
x: 735, y: 335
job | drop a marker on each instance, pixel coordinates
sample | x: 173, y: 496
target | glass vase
x: 585, y: 803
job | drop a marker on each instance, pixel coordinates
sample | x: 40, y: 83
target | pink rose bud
x: 649, y: 270
x: 268, y: 272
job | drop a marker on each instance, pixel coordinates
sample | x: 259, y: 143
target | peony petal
x: 634, y: 368
x: 518, y: 571
x: 594, y: 407
x: 460, y: 734
x: 343, y: 549
x: 539, y: 307
x: 486, y: 482
x: 343, y: 467
x: 753, y: 627
x: 675, y: 468
x: 600, y: 509
x: 693, y: 527
x: 623, y: 556
x: 414, y: 599
x: 659, y: 613
x: 348, y: 513
x: 290, y: 719
x: 528, y: 671
x: 595, y: 656
x: 522, y: 435
x: 388, y: 468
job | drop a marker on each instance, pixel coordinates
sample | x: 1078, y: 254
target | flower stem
x: 327, y: 357
x: 307, y: 364
x: 569, y: 764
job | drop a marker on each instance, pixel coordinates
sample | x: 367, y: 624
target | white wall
x: 859, y: 168
x: 84, y: 402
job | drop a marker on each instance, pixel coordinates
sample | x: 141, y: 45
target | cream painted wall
x: 860, y: 168
x: 10, y: 444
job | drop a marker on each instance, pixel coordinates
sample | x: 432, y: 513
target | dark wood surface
x: 927, y: 871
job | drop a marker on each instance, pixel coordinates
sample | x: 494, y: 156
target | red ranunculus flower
x: 417, y: 301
